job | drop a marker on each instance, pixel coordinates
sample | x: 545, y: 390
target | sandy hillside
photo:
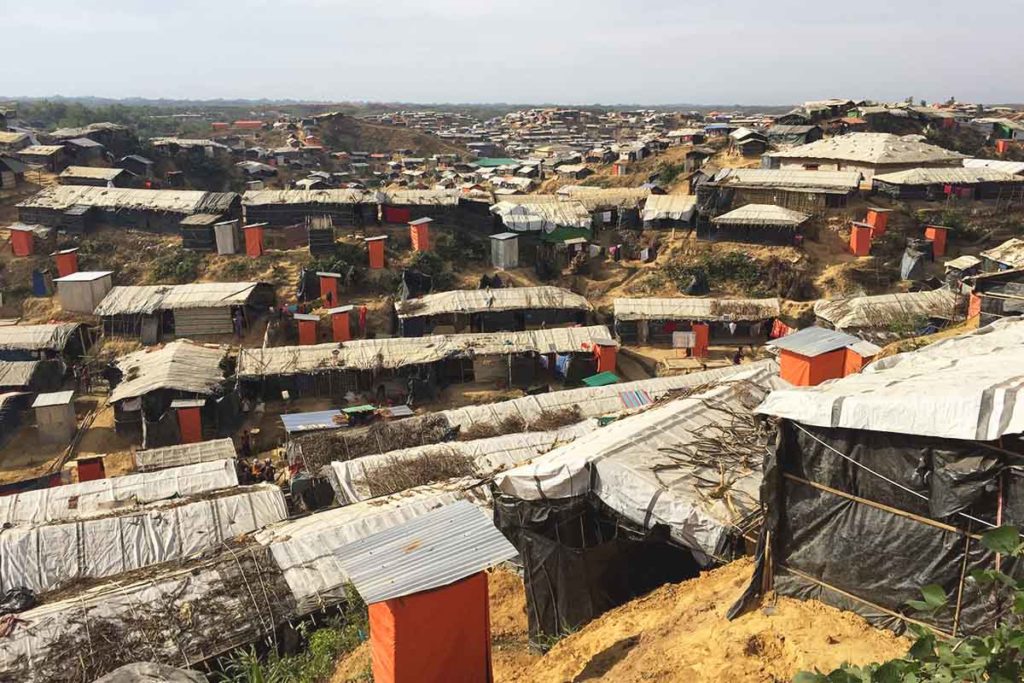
x: 679, y: 633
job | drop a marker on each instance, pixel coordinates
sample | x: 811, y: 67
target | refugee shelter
x: 31, y: 376
x: 128, y: 538
x: 94, y: 176
x: 12, y: 172
x: 426, y: 588
x: 490, y: 310
x: 882, y: 482
x: 82, y: 292
x: 152, y: 379
x: 156, y: 312
x: 869, y: 154
x: 180, y: 455
x: 613, y: 207
x: 277, y: 208
x: 621, y: 510
x: 889, y: 316
x: 680, y: 321
x: 1007, y: 256
x: 664, y: 211
x: 995, y: 296
x: 403, y: 206
x: 76, y: 208
x: 552, y: 218
x: 65, y: 341
x: 794, y: 189
x: 758, y: 224
x: 418, y: 367
x: 814, y: 355
x: 945, y: 183
x: 50, y: 157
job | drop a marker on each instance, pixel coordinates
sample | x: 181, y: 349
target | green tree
x: 996, y: 657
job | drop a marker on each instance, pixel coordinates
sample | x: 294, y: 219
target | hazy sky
x: 568, y: 51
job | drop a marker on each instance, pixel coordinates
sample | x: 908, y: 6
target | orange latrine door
x: 438, y: 636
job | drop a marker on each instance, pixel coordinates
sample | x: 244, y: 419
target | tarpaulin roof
x: 490, y: 456
x: 91, y: 172
x: 181, y: 365
x: 17, y: 373
x: 130, y: 539
x: 871, y: 148
x: 184, y: 454
x: 783, y: 179
x: 491, y: 300
x: 1015, y: 167
x: 635, y: 465
x: 696, y: 309
x: 605, y: 198
x: 419, y: 197
x: 761, y: 215
x: 881, y: 310
x: 396, y: 352
x: 947, y: 176
x: 101, y: 496
x: 63, y: 197
x: 675, y: 207
x: 592, y: 401
x: 147, y: 299
x: 960, y: 388
x: 1010, y: 252
x: 544, y: 216
x: 438, y: 548
x: 36, y: 337
x: 270, y: 197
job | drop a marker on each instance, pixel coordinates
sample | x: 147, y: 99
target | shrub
x: 175, y: 267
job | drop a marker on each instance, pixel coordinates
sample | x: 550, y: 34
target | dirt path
x: 679, y: 633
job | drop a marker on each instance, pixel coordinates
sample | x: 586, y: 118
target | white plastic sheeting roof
x: 43, y: 558
x: 790, y: 179
x: 63, y: 197
x: 1010, y: 252
x: 147, y: 299
x: 871, y: 148
x: 180, y: 365
x: 696, y: 309
x: 947, y: 176
x: 270, y: 197
x: 961, y: 388
x: 395, y: 352
x: 628, y: 465
x: 36, y: 337
x: 542, y: 216
x: 184, y: 454
x: 490, y: 456
x: 591, y: 401
x: 761, y: 214
x: 491, y: 300
x: 879, y: 311
x: 674, y: 207
x: 101, y: 496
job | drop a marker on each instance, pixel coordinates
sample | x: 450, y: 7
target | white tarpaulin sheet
x: 591, y: 401
x: 44, y: 558
x: 466, y: 301
x: 490, y: 456
x: 961, y: 388
x: 629, y: 465
x: 101, y: 496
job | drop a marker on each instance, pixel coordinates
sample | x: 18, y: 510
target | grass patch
x: 176, y: 267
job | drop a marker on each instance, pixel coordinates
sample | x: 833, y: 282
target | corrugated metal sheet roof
x: 696, y: 309
x: 761, y: 215
x: 814, y: 341
x: 295, y: 423
x: 871, y: 148
x: 184, y: 454
x: 395, y: 352
x: 1010, y: 252
x: 491, y: 300
x: 947, y: 176
x: 62, y: 197
x: 270, y: 197
x: 434, y: 550
x: 180, y: 365
x: 36, y: 337
x: 56, y: 398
